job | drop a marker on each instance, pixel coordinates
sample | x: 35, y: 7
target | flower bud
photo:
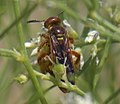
x: 59, y: 70
x: 21, y: 79
x: 117, y: 17
x: 71, y: 32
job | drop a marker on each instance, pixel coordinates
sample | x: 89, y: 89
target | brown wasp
x: 56, y: 46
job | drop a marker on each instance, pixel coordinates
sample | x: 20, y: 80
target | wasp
x: 56, y: 45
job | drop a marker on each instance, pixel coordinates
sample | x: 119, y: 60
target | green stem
x: 88, y: 4
x: 60, y: 84
x: 69, y: 11
x: 104, y: 22
x: 48, y: 89
x: 19, y: 25
x: 26, y: 61
x: 102, y: 62
x: 79, y: 43
x: 105, y: 54
x: 103, y: 31
x: 114, y: 95
x: 6, y: 53
x: 16, y: 55
x: 35, y: 97
x: 95, y: 4
x: 35, y: 81
x: 3, y: 33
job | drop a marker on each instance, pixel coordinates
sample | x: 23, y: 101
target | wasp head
x: 52, y: 21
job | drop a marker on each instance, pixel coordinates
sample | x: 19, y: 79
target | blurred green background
x: 12, y: 92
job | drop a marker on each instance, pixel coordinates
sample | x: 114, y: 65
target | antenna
x: 60, y: 13
x: 35, y: 21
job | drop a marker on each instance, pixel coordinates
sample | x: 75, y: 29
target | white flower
x: 73, y: 98
x: 81, y: 61
x: 97, y: 60
x: 34, y: 51
x: 88, y: 39
x: 65, y: 22
x: 94, y: 51
x: 29, y: 44
x: 92, y: 35
x: 33, y: 43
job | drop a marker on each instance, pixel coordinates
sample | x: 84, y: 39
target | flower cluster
x: 73, y: 98
x: 92, y: 36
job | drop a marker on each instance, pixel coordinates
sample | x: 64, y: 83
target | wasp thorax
x: 57, y: 30
x: 52, y: 21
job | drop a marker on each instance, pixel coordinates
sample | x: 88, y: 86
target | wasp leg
x: 42, y: 44
x: 44, y: 63
x: 43, y: 51
x: 70, y: 70
x: 44, y: 39
x: 48, y: 57
x: 76, y: 59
